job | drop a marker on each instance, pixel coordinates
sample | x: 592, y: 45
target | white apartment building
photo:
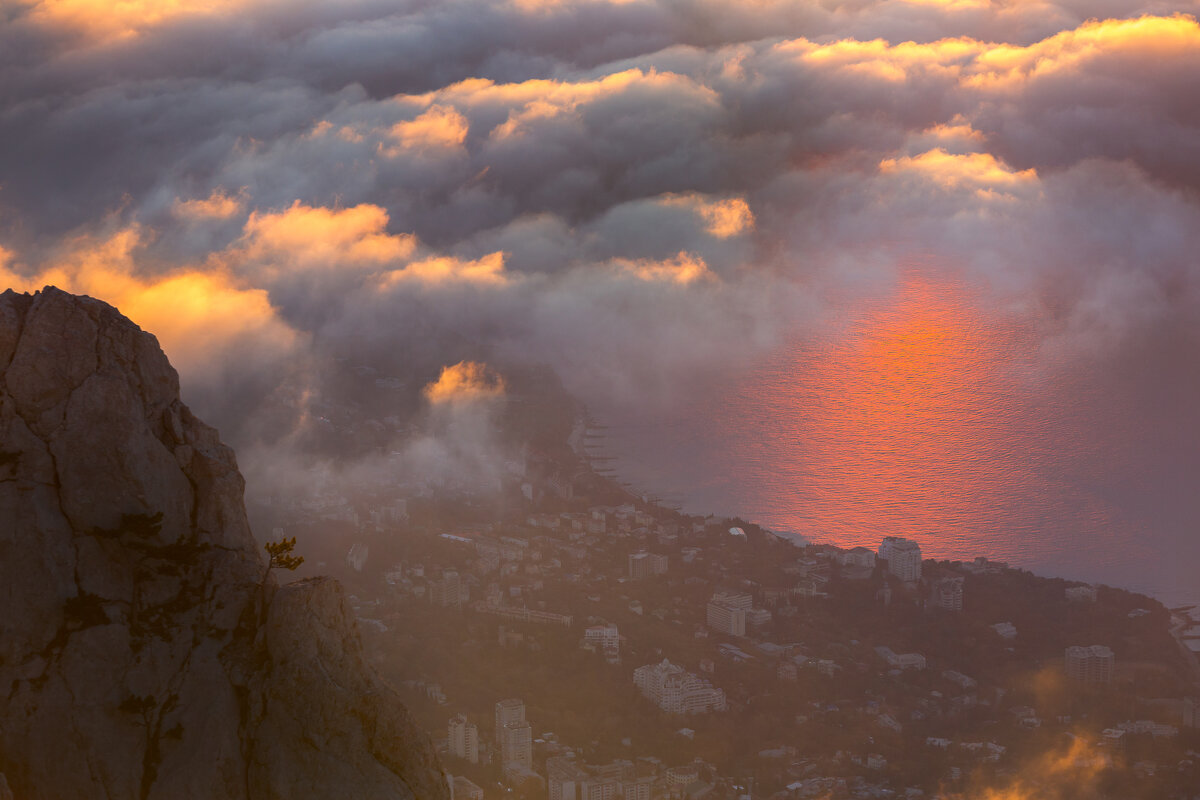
x: 903, y: 557
x: 446, y: 592
x: 516, y: 744
x: 676, y: 691
x: 464, y: 738
x: 646, y: 565
x: 727, y: 612
x: 510, y: 710
x: 564, y: 778
x: 604, y: 637
x: 1092, y: 665
x: 568, y: 780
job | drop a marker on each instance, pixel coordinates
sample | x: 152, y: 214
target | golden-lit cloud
x: 1074, y: 770
x: 521, y: 120
x: 957, y: 130
x: 198, y: 316
x: 1147, y: 40
x: 536, y: 6
x: 982, y: 172
x: 465, y: 382
x: 685, y: 268
x: 440, y: 127
x: 540, y: 99
x: 488, y: 270
x: 218, y: 205
x: 723, y: 218
x: 326, y: 128
x: 880, y: 60
x: 977, y: 64
x: 950, y: 5
x: 102, y: 20
x: 317, y: 236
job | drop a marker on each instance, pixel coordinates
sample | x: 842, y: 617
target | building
x: 463, y: 789
x: 646, y: 565
x: 510, y: 710
x: 947, y: 594
x: 679, y: 777
x: 856, y: 557
x: 638, y: 788
x: 446, y: 592
x: 727, y: 612
x: 1081, y: 594
x: 966, y: 683
x: 523, y: 614
x: 516, y: 744
x: 567, y: 780
x: 758, y: 618
x: 564, y: 780
x: 1089, y: 665
x: 604, y: 639
x: 603, y: 636
x: 464, y: 738
x: 1005, y: 630
x: 676, y: 691
x: 901, y: 660
x: 903, y: 557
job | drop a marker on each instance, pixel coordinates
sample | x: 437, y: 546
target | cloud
x: 446, y: 269
x: 104, y: 20
x: 217, y: 206
x: 980, y: 171
x: 683, y: 269
x: 723, y: 217
x: 464, y: 382
x: 1072, y: 769
x: 439, y: 127
x: 315, y: 236
x: 205, y: 320
x: 645, y: 195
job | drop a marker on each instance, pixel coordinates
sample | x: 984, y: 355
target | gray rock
x: 142, y: 653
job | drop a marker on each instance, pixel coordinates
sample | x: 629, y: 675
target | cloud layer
x: 642, y: 194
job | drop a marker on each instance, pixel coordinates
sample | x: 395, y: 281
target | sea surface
x: 929, y: 413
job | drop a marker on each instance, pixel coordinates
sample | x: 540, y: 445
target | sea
x: 971, y: 424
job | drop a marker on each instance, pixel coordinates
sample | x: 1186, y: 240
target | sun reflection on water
x: 925, y: 413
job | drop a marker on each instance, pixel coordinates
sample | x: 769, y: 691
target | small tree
x: 280, y: 556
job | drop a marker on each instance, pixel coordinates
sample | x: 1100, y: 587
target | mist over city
x: 647, y: 398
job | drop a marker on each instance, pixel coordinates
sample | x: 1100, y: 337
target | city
x: 630, y: 651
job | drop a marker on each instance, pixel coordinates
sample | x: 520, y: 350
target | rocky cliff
x: 144, y: 653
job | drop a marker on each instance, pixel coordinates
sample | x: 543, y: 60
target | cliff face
x: 141, y: 655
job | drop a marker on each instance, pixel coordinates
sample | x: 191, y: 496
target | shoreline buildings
x: 903, y: 557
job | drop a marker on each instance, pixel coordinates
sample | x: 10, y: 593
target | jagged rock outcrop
x: 142, y: 655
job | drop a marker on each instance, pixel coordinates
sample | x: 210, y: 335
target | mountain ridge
x: 142, y: 651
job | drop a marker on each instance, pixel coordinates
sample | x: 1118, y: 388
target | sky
x: 645, y: 195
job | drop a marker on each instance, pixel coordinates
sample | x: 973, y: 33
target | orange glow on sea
x: 927, y: 411
x: 903, y: 418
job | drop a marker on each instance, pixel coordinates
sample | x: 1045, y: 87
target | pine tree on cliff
x: 280, y: 556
